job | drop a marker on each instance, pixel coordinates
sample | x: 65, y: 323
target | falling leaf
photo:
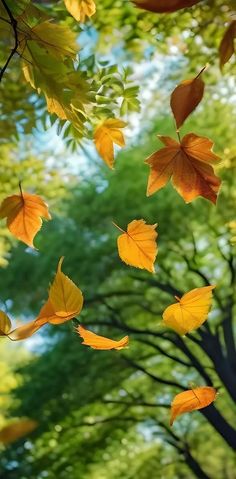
x: 5, y: 324
x: 185, y: 98
x: 58, y: 40
x: 192, y: 400
x: 137, y: 246
x: 79, y: 9
x: 65, y: 300
x: 26, y: 330
x: 227, y: 49
x: 105, y: 135
x: 189, y: 165
x: 16, y: 430
x: 24, y: 213
x: 164, y: 6
x: 100, y: 342
x: 190, y: 311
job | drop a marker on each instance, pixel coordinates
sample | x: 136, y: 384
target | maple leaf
x: 190, y: 311
x: 192, y: 400
x: 164, y: 6
x: 80, y: 9
x: 5, y: 324
x: 65, y: 300
x: 100, y: 342
x: 24, y: 213
x: 188, y: 163
x: 185, y: 98
x: 105, y: 135
x: 16, y: 430
x: 137, y: 246
x: 226, y: 48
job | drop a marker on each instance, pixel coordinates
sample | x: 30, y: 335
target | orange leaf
x: 137, y: 247
x: 188, y: 163
x: 65, y: 300
x: 185, y: 98
x: 191, y: 310
x: 192, y: 400
x: 16, y: 430
x: 105, y: 135
x: 226, y: 48
x: 164, y: 6
x: 26, y: 330
x: 24, y: 213
x: 100, y: 342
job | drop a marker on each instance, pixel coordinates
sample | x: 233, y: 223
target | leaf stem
x: 118, y: 227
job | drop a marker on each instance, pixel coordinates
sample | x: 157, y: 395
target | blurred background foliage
x: 105, y: 415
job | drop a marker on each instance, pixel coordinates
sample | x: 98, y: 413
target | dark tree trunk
x: 195, y: 466
x: 220, y: 425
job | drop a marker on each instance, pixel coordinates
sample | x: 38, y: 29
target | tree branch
x: 13, y: 23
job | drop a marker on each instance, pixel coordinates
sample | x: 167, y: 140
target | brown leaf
x: 226, y: 48
x: 16, y: 430
x: 185, y: 98
x: 164, y: 6
x: 188, y: 163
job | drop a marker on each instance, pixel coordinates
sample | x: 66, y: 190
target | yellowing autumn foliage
x: 190, y: 311
x: 100, y: 342
x: 24, y: 213
x: 189, y: 164
x: 106, y: 135
x: 192, y: 400
x: 137, y: 246
x: 80, y: 9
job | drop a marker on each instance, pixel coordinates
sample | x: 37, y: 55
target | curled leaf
x: 65, y: 300
x: 137, y: 246
x: 226, y: 48
x: 192, y: 400
x: 80, y: 9
x: 185, y: 98
x: 190, y: 311
x: 106, y: 135
x: 188, y: 163
x: 24, y: 213
x: 164, y: 6
x: 100, y: 342
x: 25, y: 331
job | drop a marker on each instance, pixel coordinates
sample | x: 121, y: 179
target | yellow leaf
x: 137, y: 247
x: 191, y: 310
x: 105, y: 135
x: 192, y: 400
x: 16, y: 430
x: 58, y: 40
x: 65, y: 300
x: 24, y: 213
x: 79, y: 9
x: 100, y: 342
x: 5, y: 324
